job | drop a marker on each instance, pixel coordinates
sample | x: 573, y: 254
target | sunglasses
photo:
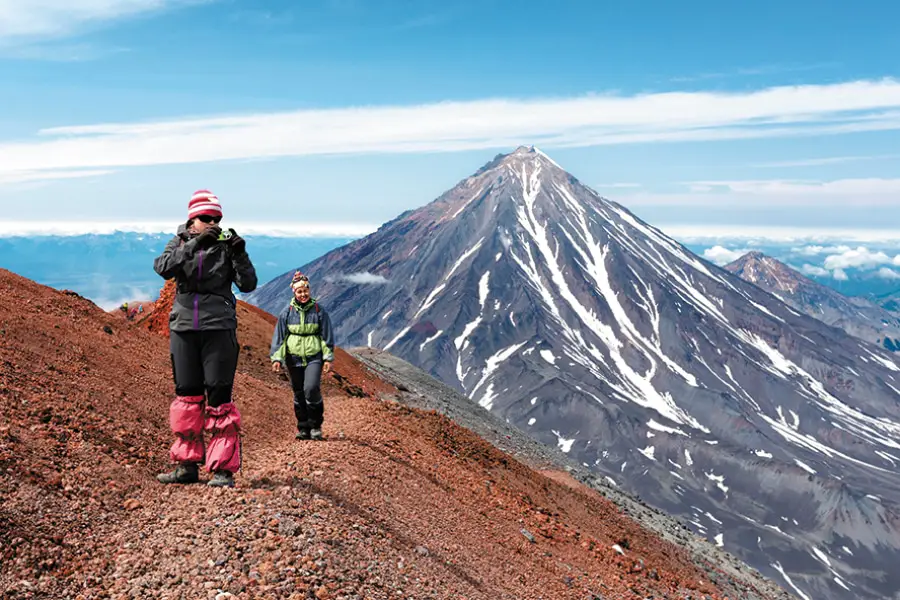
x: 209, y: 219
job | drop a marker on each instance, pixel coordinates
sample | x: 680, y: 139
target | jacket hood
x: 306, y: 304
x: 183, y: 231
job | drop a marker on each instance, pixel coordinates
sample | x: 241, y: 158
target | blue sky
x: 339, y: 114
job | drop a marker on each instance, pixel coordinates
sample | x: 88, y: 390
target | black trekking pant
x: 308, y: 406
x: 204, y: 361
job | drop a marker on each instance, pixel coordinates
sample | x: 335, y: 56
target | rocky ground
x: 415, y: 388
x: 397, y: 502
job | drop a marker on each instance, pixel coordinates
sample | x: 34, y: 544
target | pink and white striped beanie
x: 204, y: 202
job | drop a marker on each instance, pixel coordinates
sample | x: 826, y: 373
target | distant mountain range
x: 117, y: 267
x: 889, y: 302
x: 764, y: 429
x: 857, y: 316
x: 110, y: 268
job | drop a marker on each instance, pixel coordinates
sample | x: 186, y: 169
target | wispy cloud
x: 774, y: 193
x: 457, y: 126
x: 756, y: 71
x: 279, y: 229
x: 754, y: 235
x: 722, y: 256
x: 831, y: 160
x: 27, y: 19
x: 886, y: 273
x: 59, y: 52
x: 618, y: 185
x: 814, y: 271
x: 864, y: 186
x: 817, y: 250
x: 32, y: 176
x: 361, y: 278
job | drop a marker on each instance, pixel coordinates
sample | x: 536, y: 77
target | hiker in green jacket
x: 303, y: 342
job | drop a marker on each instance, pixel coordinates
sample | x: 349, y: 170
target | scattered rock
x: 289, y: 527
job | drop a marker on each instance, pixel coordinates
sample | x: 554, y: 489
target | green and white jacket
x: 302, y: 334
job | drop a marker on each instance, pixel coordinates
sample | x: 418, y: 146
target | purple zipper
x: 197, y: 295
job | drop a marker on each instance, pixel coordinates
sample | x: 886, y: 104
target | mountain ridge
x: 856, y: 316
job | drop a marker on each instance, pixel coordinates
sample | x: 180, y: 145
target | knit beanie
x: 299, y: 280
x: 204, y: 202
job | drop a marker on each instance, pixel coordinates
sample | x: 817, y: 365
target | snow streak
x: 638, y: 387
x: 432, y: 297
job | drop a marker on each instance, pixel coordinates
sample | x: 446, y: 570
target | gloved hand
x: 209, y: 237
x: 236, y: 242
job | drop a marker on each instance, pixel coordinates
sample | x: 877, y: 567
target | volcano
x: 856, y: 316
x: 764, y: 429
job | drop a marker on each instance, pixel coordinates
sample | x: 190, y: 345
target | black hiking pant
x: 204, y: 361
x: 308, y: 406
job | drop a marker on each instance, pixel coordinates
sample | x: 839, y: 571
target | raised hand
x: 236, y: 242
x: 209, y: 236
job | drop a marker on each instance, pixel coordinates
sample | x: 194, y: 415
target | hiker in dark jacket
x: 203, y: 341
x: 303, y: 342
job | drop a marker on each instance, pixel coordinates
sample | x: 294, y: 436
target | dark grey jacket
x: 203, y: 278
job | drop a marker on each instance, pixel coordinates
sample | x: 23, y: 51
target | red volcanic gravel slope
x: 395, y: 503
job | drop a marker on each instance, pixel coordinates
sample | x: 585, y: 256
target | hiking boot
x: 315, y: 433
x: 221, y: 479
x: 183, y: 473
x: 303, y: 434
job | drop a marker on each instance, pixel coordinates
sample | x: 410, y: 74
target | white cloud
x: 776, y: 193
x: 814, y: 271
x: 829, y: 160
x: 804, y: 188
x: 605, y: 186
x: 51, y: 18
x: 859, y: 258
x: 722, y: 256
x: 754, y: 235
x: 479, y: 124
x: 815, y: 250
x: 277, y: 229
x: 29, y: 176
x: 757, y: 70
x: 886, y: 273
x: 362, y: 278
